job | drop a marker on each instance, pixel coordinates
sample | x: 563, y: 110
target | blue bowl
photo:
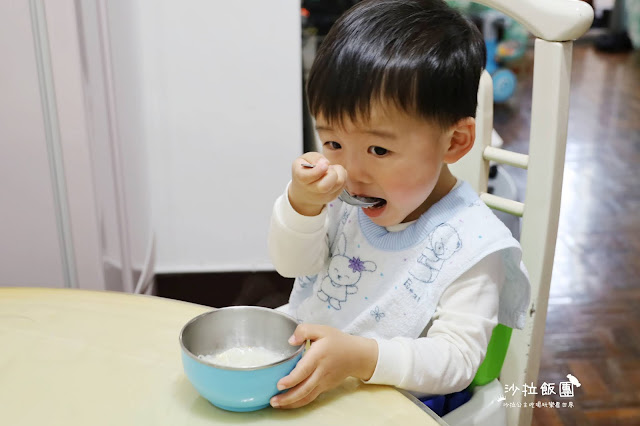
x: 238, y: 388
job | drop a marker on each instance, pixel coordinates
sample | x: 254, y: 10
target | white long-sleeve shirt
x: 451, y: 347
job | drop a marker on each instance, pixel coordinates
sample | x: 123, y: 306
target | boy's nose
x: 357, y: 172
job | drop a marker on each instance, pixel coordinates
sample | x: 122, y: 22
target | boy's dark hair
x: 420, y: 55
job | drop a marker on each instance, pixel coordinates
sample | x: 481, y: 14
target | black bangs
x: 420, y: 56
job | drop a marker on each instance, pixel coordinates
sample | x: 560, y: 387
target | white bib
x: 386, y: 284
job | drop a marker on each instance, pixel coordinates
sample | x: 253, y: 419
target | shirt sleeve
x: 298, y: 245
x: 447, y: 358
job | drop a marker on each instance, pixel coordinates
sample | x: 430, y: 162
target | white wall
x: 185, y: 125
x: 66, y: 68
x: 108, y: 148
x: 128, y: 94
x: 219, y: 85
x: 29, y: 241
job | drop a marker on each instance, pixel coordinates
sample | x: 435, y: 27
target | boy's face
x: 393, y: 156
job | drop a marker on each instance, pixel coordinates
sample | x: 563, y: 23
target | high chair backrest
x: 554, y: 23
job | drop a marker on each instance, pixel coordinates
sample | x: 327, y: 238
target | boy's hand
x: 332, y: 357
x: 312, y: 188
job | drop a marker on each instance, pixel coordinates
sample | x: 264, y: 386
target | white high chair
x: 555, y: 24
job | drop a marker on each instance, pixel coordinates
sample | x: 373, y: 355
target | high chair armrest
x: 551, y: 20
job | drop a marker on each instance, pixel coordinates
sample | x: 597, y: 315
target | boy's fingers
x: 333, y: 181
x: 341, y: 180
x: 296, y: 397
x: 308, y: 175
x: 325, y: 184
x: 305, y: 332
x: 302, y: 371
x: 312, y: 157
x: 304, y: 401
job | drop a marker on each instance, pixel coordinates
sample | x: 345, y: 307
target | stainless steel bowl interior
x: 238, y: 326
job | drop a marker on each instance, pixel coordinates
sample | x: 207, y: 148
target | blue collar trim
x: 378, y: 236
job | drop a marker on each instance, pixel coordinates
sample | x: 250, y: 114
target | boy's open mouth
x: 379, y: 202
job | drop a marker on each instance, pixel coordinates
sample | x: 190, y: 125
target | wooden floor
x: 593, y: 323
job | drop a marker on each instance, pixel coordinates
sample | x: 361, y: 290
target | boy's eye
x: 332, y: 145
x: 378, y: 151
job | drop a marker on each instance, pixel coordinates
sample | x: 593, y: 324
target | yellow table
x: 74, y: 357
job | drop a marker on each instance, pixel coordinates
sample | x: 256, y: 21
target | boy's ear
x: 462, y: 135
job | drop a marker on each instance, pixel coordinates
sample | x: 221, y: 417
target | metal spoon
x: 356, y: 201
x: 348, y: 198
